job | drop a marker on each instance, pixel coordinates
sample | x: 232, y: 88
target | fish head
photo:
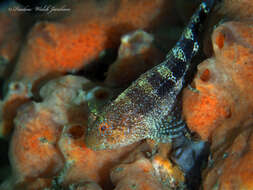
x: 111, y: 130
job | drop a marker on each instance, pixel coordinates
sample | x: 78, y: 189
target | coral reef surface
x: 55, y: 72
x: 220, y: 109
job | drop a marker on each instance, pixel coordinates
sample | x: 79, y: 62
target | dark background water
x: 31, y: 3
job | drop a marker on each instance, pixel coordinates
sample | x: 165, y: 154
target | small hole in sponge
x: 15, y: 86
x: 205, y: 76
x: 101, y: 94
x: 228, y: 113
x: 220, y: 40
x: 76, y: 131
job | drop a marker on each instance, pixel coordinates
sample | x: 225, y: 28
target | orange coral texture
x: 80, y: 159
x: 137, y: 175
x: 78, y: 39
x: 232, y: 168
x: 33, y: 148
x: 221, y: 81
x: 222, y: 109
x: 41, y: 148
x: 237, y: 9
x: 136, y: 172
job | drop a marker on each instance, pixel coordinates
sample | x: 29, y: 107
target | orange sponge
x: 33, y: 151
x: 75, y: 41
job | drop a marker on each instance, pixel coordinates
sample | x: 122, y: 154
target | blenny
x: 148, y: 108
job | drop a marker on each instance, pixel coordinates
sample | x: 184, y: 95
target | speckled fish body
x: 139, y: 111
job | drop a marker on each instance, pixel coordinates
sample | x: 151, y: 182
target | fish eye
x: 103, y: 127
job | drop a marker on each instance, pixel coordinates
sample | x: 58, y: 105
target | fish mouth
x: 95, y: 143
x: 91, y: 142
